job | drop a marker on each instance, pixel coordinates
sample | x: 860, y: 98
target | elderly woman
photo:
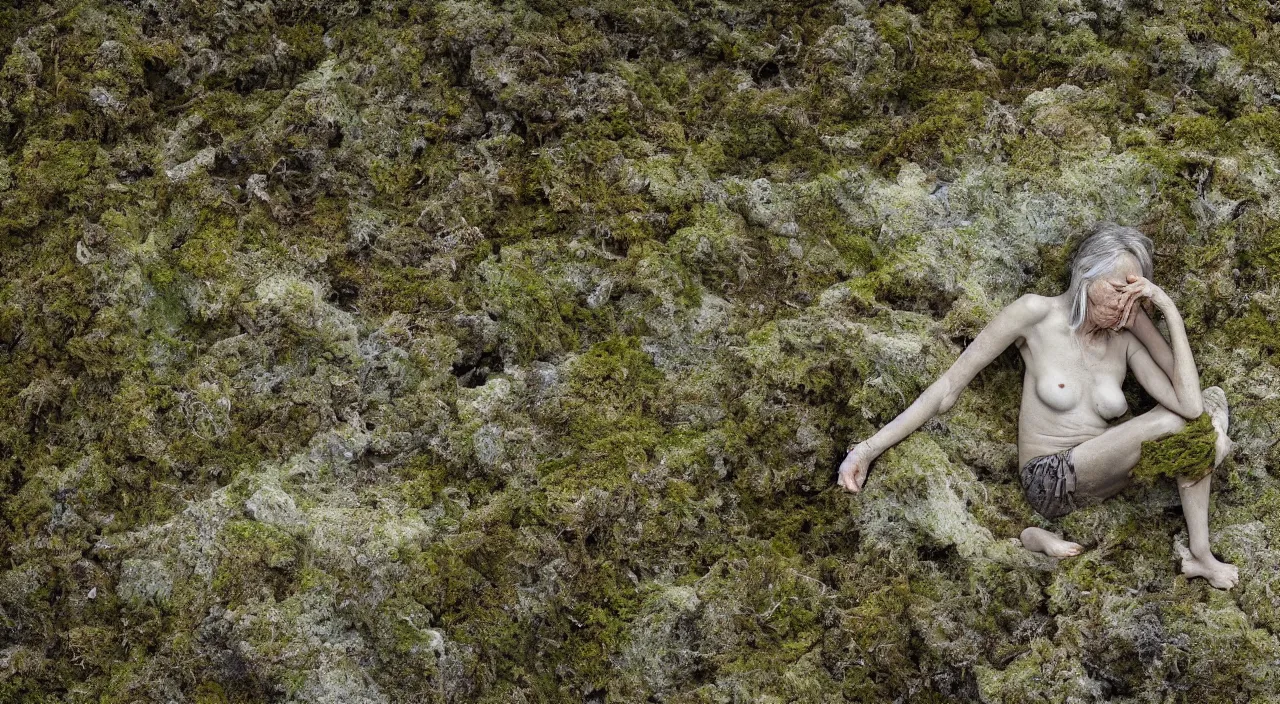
x: 1077, y: 347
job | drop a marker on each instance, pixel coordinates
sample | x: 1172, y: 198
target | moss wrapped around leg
x: 1187, y: 454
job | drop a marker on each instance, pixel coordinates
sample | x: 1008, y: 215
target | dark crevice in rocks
x: 472, y: 375
x: 247, y: 83
x: 934, y: 303
x: 135, y: 174
x: 230, y: 164
x: 166, y: 92
x: 934, y: 553
x: 344, y: 296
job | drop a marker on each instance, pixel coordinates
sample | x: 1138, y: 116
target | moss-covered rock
x: 402, y: 352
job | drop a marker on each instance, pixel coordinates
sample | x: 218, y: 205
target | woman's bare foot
x: 1220, y: 574
x: 1215, y: 404
x: 1040, y: 540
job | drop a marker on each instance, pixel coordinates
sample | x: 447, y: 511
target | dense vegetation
x: 389, y: 351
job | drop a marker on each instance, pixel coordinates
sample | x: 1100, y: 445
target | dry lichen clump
x: 1186, y: 454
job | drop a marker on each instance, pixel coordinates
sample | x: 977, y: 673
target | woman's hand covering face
x: 1108, y: 303
x: 1138, y: 289
x: 1112, y: 304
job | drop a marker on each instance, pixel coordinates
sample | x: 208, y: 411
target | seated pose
x: 1077, y: 347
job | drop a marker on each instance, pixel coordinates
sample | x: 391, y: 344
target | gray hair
x: 1097, y: 254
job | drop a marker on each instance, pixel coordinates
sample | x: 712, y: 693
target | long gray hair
x: 1097, y: 254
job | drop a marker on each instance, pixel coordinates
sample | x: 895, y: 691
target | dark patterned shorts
x: 1049, y: 482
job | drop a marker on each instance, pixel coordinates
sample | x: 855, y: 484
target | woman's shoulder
x: 1034, y: 307
x: 1018, y: 319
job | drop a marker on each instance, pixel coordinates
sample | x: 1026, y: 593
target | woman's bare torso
x: 1070, y: 389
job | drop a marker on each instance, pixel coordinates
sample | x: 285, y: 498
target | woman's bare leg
x: 1102, y: 470
x: 1103, y: 463
x: 1195, y: 505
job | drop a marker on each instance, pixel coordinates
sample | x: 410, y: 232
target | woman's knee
x: 1165, y: 421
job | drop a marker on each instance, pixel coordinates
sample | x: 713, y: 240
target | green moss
x: 609, y: 416
x: 515, y: 160
x: 939, y: 132
x: 1189, y: 453
x: 389, y: 287
x: 256, y: 556
x: 424, y: 477
x: 527, y: 299
x: 206, y: 253
x: 1256, y: 330
x: 616, y: 373
x: 715, y: 245
x: 879, y: 634
x: 30, y: 507
x: 209, y: 692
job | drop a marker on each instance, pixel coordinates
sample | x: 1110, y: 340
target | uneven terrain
x: 373, y: 352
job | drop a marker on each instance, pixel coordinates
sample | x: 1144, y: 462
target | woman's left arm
x: 1185, y: 378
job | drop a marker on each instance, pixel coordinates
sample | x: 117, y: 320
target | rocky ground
x: 389, y: 351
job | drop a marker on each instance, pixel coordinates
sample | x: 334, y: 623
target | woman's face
x: 1106, y: 302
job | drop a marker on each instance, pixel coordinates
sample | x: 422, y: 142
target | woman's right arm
x: 1003, y: 330
x: 1184, y: 377
x: 1150, y: 336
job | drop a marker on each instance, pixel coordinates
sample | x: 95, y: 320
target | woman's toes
x: 1226, y: 581
x: 1042, y: 541
x: 1221, y: 575
x: 1063, y: 549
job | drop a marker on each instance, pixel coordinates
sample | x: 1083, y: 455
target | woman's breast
x: 1058, y: 392
x: 1108, y: 399
x: 1072, y: 386
x: 1063, y: 393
